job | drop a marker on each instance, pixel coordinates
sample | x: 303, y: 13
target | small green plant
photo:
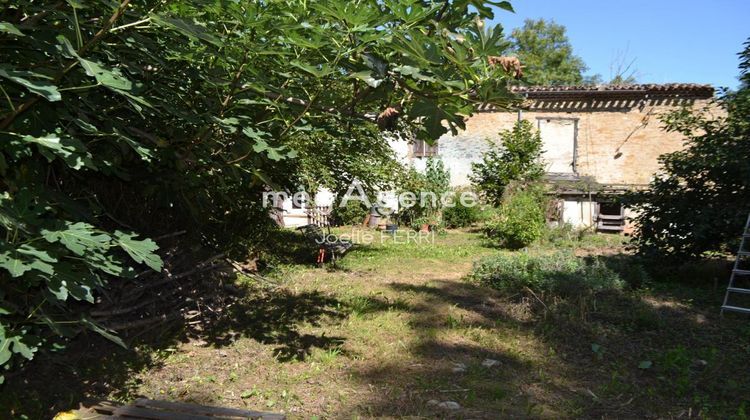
x: 432, y: 184
x: 361, y: 305
x: 454, y: 322
x: 630, y: 269
x: 676, y: 364
x: 563, y: 236
x: 250, y: 393
x: 327, y: 356
x: 438, y: 178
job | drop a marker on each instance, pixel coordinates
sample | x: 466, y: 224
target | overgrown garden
x: 125, y: 126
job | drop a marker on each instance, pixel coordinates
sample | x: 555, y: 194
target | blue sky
x: 671, y: 40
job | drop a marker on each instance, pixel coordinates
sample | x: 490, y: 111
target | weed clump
x: 558, y: 274
x: 461, y: 215
x: 520, y: 221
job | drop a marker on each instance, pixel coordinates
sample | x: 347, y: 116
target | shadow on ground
x: 450, y: 361
x: 662, y: 351
x: 215, y: 310
x: 274, y: 319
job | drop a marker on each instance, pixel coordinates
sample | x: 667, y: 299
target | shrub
x: 487, y: 213
x: 353, y: 213
x: 515, y: 158
x: 589, y: 275
x: 412, y: 181
x: 510, y: 272
x: 460, y: 215
x: 631, y: 270
x: 560, y: 274
x: 520, y: 220
x: 562, y: 236
x: 437, y: 177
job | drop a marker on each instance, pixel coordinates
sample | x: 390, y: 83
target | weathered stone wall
x: 615, y: 144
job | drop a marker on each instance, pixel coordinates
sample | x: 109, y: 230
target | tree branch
x: 300, y: 102
x: 234, y: 84
x: 442, y: 11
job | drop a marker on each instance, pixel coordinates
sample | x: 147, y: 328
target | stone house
x: 599, y: 141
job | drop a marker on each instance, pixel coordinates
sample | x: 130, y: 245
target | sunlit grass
x: 402, y: 316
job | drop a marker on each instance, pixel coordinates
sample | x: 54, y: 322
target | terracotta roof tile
x: 667, y: 88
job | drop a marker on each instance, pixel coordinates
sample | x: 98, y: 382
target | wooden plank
x: 151, y: 414
x: 206, y: 410
x: 103, y: 410
x: 95, y: 412
x: 104, y: 407
x: 611, y: 217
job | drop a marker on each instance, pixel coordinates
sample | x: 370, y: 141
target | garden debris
x: 459, y: 368
x: 446, y: 405
x: 488, y: 363
x: 185, y: 294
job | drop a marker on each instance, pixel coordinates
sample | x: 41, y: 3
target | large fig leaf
x: 25, y: 258
x: 42, y: 88
x: 188, y: 29
x: 69, y: 149
x: 141, y: 251
x: 78, y: 237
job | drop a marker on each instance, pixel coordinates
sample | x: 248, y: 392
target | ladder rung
x: 744, y: 253
x: 741, y: 272
x: 735, y: 309
x: 610, y: 227
x: 738, y: 290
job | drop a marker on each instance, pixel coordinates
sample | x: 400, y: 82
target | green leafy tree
x: 517, y: 157
x: 546, y: 53
x: 153, y: 117
x: 702, y: 198
x: 339, y: 156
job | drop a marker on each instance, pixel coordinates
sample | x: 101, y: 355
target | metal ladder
x: 736, y: 271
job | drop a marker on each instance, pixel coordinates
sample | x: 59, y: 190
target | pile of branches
x: 193, y: 292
